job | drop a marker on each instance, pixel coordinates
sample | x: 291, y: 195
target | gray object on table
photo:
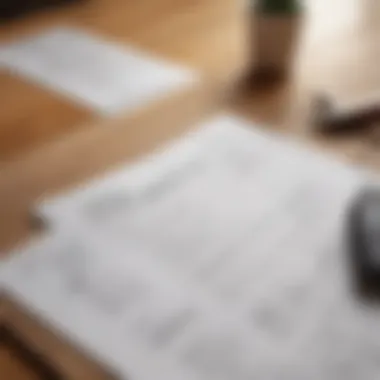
x: 329, y: 116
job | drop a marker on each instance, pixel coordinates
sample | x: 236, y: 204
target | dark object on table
x: 329, y: 117
x: 364, y: 242
x: 274, y: 36
x: 10, y: 9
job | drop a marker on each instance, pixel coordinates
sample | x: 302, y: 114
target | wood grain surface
x: 13, y: 367
x: 203, y: 35
x: 337, y: 55
x: 31, y: 116
x: 48, y: 144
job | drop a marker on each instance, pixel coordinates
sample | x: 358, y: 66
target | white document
x: 221, y: 258
x: 267, y: 166
x: 100, y: 74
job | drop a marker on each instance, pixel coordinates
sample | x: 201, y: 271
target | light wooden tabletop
x: 48, y: 143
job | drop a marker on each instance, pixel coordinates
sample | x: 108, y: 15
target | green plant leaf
x: 277, y: 6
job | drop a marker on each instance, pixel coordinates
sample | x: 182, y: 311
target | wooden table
x: 204, y: 35
x: 48, y: 143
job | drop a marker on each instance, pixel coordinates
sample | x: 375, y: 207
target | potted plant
x: 275, y: 28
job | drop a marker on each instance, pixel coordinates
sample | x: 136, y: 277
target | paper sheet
x: 100, y: 74
x: 227, y: 263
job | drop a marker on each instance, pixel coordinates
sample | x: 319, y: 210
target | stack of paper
x: 220, y: 258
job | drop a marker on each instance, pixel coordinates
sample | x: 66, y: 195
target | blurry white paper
x: 102, y: 75
x: 227, y: 158
x: 220, y: 259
